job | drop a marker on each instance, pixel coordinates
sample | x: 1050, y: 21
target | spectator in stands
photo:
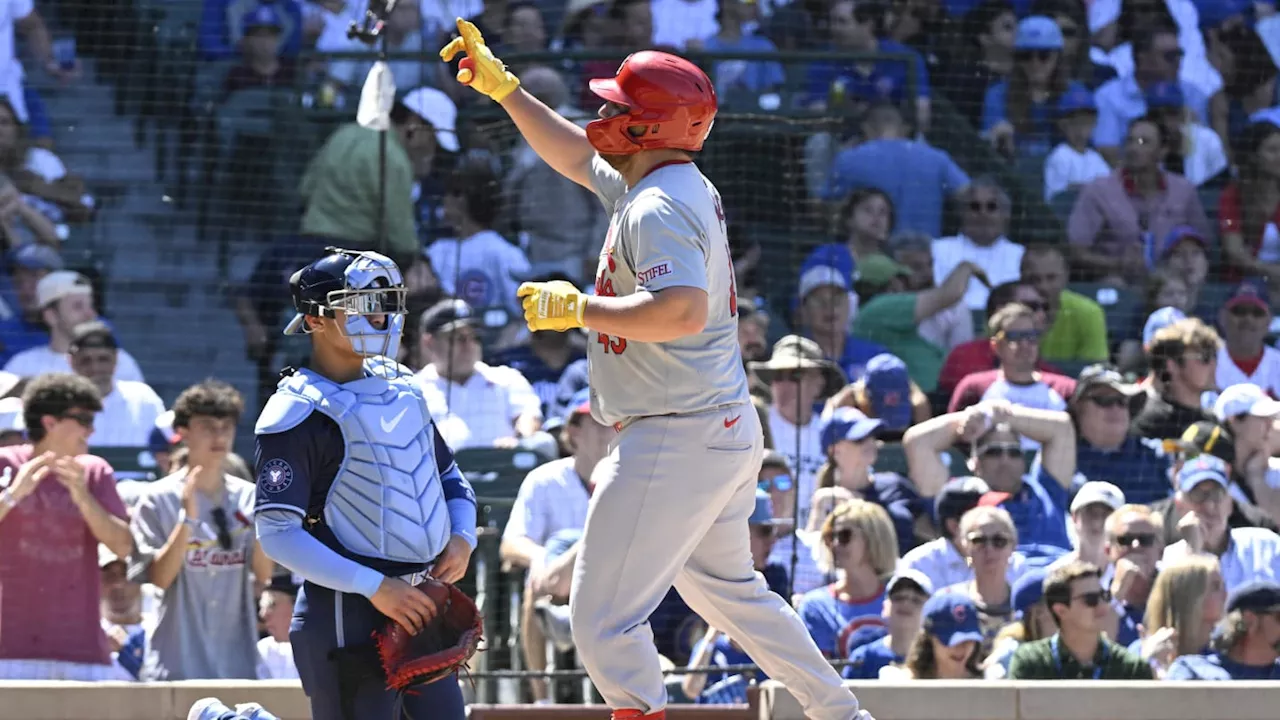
x: 982, y: 241
x: 1186, y: 602
x: 1102, y: 409
x: 905, y: 595
x: 51, y: 195
x: 1164, y: 289
x: 406, y: 34
x: 22, y: 327
x: 524, y: 30
x: 1244, y: 356
x: 950, y: 327
x: 22, y: 17
x: 684, y: 24
x: 1249, y: 75
x: 1245, y: 553
x: 634, y: 26
x: 891, y: 316
x: 1250, y: 416
x: 543, y: 359
x: 477, y: 264
x: 1093, y: 504
x: 1032, y: 622
x: 858, y: 542
x: 1079, y: 650
x: 476, y: 405
x: 195, y: 541
x: 1247, y: 646
x: 918, y: 178
x: 978, y: 355
x: 1117, y: 219
x: 1185, y: 255
x: 558, y: 222
x: 866, y: 219
x: 991, y: 27
x: 742, y: 78
x: 427, y: 122
x: 1183, y: 359
x: 884, y: 393
x: 1015, y: 341
x: 942, y: 560
x: 122, y: 616
x: 949, y: 646
x: 221, y: 29
x: 1073, y: 163
x: 798, y: 376
x: 988, y: 538
x: 1248, y: 207
x: 1077, y: 328
x: 275, y: 652
x: 1157, y: 58
x: 552, y: 501
x: 777, y: 479
x: 1073, y: 22
x: 129, y: 408
x: 58, y: 504
x: 716, y: 649
x: 1018, y: 113
x: 994, y: 429
x: 65, y: 299
x: 262, y: 63
x: 753, y: 333
x: 1192, y: 149
x: 805, y: 545
x: 849, y: 439
x: 1134, y: 544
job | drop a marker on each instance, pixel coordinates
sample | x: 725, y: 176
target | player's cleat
x: 639, y: 715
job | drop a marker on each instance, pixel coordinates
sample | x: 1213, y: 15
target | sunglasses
x: 224, y: 531
x: 1069, y: 31
x: 842, y: 537
x: 1020, y: 335
x: 1141, y: 539
x: 764, y: 532
x: 988, y: 206
x: 1037, y: 55
x: 997, y: 542
x: 1093, y: 598
x: 85, y: 420
x: 1008, y: 451
x: 1108, y: 401
x: 1248, y: 311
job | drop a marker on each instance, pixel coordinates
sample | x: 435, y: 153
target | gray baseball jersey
x: 667, y: 231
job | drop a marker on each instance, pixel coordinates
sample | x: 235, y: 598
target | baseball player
x: 357, y: 492
x: 676, y: 489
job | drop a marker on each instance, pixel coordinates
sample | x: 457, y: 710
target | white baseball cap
x: 1244, y: 399
x: 62, y: 283
x: 438, y: 111
x: 11, y: 415
x: 1098, y: 491
x: 1102, y: 13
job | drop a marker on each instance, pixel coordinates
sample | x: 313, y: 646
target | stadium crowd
x: 981, y: 465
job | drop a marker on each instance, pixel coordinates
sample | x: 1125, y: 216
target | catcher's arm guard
x: 442, y: 648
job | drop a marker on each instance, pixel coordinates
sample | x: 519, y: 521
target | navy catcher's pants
x: 325, y: 621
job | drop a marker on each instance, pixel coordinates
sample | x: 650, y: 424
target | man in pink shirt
x: 56, y: 504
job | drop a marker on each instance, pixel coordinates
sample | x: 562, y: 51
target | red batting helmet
x: 669, y: 94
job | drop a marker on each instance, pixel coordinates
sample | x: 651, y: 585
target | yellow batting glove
x: 480, y: 70
x: 555, y: 305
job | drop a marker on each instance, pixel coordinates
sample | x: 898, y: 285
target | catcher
x: 358, y: 494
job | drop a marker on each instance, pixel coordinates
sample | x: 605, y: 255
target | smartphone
x: 64, y: 52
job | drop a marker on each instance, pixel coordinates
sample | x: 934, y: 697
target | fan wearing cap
x: 1244, y: 356
x: 1245, y: 553
x: 1253, y: 421
x: 128, y: 617
x: 1079, y: 650
x: 826, y: 307
x: 1092, y: 506
x: 949, y: 646
x: 1021, y: 110
x: 479, y: 405
x: 1132, y: 356
x: 1074, y: 161
x: 851, y: 445
x: 129, y: 408
x: 1247, y: 644
x: 1183, y: 358
x: 1032, y: 622
x: 994, y: 430
x: 543, y: 358
x: 905, y: 596
x: 25, y: 328
x: 275, y: 609
x: 65, y: 299
x: 1102, y: 410
x: 262, y: 62
x: 885, y: 392
x: 552, y: 499
x: 942, y: 560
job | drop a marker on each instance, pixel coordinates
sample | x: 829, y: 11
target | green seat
x: 1120, y: 305
x: 892, y: 458
x: 129, y: 463
x: 496, y: 475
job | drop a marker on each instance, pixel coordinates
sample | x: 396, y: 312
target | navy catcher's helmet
x: 360, y: 284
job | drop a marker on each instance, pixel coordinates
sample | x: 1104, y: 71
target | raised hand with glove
x: 480, y: 70
x: 555, y: 305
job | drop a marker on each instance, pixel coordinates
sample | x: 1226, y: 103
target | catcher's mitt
x: 442, y: 648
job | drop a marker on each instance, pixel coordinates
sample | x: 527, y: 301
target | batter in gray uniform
x: 673, y: 496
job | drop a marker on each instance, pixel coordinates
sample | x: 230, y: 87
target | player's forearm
x: 560, y: 143
x: 285, y: 541
x: 649, y: 317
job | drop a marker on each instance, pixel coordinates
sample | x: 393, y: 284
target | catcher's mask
x: 363, y: 285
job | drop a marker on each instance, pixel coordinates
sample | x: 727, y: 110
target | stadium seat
x: 129, y: 463
x: 1121, y: 305
x: 495, y: 475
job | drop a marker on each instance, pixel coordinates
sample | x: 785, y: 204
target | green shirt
x: 1036, y: 661
x: 891, y: 321
x: 1079, y: 331
x: 342, y: 186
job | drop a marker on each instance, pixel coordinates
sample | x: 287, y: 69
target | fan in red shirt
x: 56, y: 505
x: 978, y: 355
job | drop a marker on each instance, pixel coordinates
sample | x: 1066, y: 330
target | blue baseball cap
x: 865, y: 635
x: 36, y: 256
x: 1201, y: 468
x: 847, y: 423
x: 1027, y: 590
x: 952, y: 618
x: 263, y: 16
x: 1076, y: 99
x: 1180, y: 233
x: 579, y: 404
x: 1252, y: 291
x: 1257, y: 596
x: 1159, y: 320
x: 1038, y: 32
x: 763, y: 512
x: 889, y: 389
x: 1215, y: 13
x: 1165, y: 95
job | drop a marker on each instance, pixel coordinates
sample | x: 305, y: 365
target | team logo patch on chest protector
x: 386, y: 501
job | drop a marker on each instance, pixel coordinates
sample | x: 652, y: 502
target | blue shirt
x: 544, y: 378
x: 916, y: 176
x: 899, y: 498
x: 725, y: 654
x: 831, y: 622
x: 1213, y: 666
x: 748, y: 75
x: 865, y: 662
x: 1121, y: 101
x: 1039, y: 510
x: 886, y: 79
x: 1134, y: 467
x: 1044, y: 131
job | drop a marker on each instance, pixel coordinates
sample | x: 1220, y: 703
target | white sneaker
x: 210, y: 708
x: 253, y: 711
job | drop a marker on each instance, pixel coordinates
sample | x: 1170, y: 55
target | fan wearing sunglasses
x: 1245, y: 319
x: 987, y: 540
x: 1102, y: 409
x: 196, y: 542
x: 1183, y: 359
x: 1134, y: 543
x: 1079, y: 650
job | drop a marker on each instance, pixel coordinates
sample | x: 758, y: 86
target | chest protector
x: 386, y: 501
